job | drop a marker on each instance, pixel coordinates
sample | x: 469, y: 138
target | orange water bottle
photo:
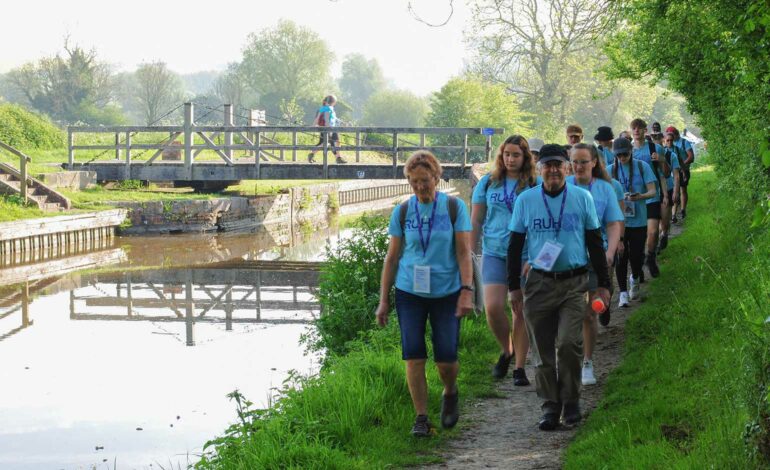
x: 597, y: 305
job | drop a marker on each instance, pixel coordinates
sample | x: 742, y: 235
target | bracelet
x: 466, y: 287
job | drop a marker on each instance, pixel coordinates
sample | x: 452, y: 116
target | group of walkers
x: 552, y: 222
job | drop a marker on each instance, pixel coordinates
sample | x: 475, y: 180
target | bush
x: 26, y: 130
x: 349, y: 287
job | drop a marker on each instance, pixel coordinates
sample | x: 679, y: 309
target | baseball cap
x: 550, y: 152
x: 535, y: 144
x: 622, y: 145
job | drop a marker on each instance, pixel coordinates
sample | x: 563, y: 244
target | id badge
x: 548, y: 255
x: 630, y: 211
x: 421, y: 279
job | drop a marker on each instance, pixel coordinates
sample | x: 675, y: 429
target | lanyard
x: 425, y: 242
x: 591, y: 184
x: 561, y: 211
x: 509, y: 198
x: 626, y: 182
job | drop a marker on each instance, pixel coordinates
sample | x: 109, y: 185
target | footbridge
x: 215, y: 156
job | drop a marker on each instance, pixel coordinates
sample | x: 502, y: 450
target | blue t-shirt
x: 495, y: 233
x: 618, y: 189
x: 440, y: 255
x: 605, y: 154
x: 605, y: 202
x: 332, y: 116
x: 643, y: 153
x: 674, y: 164
x: 685, y: 145
x: 638, y: 185
x: 531, y: 217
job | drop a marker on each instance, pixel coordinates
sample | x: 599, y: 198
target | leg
x: 569, y: 340
x: 494, y: 303
x: 636, y: 237
x: 541, y: 316
x: 590, y: 327
x: 621, y: 268
x: 448, y: 373
x: 418, y: 385
x: 652, y: 235
x: 520, y: 339
x: 412, y: 314
x: 445, y: 328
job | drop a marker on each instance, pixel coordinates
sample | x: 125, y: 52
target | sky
x: 193, y: 35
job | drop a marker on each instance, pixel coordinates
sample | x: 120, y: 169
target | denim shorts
x: 495, y: 271
x: 413, y: 314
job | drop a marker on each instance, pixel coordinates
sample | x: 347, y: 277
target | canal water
x: 128, y: 362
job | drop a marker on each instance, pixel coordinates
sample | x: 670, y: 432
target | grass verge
x: 691, y: 391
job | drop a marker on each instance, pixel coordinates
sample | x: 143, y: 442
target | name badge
x: 548, y: 255
x: 630, y: 211
x: 421, y: 279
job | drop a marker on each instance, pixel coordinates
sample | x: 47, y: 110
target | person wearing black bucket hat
x: 603, y: 140
x: 562, y: 232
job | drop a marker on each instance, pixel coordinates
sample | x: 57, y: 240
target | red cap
x: 671, y: 130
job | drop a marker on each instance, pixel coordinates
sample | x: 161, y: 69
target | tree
x: 528, y: 46
x: 285, y: 62
x: 473, y: 102
x: 395, y: 108
x: 232, y: 88
x: 73, y: 88
x: 157, y: 90
x: 361, y: 78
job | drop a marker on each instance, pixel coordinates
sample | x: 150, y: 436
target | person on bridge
x: 429, y: 258
x: 326, y: 117
x: 493, y: 200
x: 562, y: 231
x: 589, y: 174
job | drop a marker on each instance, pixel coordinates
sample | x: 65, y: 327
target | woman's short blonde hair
x: 424, y: 159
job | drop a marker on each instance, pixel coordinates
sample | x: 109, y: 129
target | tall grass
x: 693, y: 386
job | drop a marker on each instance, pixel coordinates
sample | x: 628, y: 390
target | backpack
x: 319, y: 119
x: 679, y: 156
x: 655, y: 165
x: 478, y: 287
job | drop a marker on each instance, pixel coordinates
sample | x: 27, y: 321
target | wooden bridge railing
x: 255, y: 140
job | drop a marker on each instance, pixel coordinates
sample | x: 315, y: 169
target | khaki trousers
x: 554, y: 311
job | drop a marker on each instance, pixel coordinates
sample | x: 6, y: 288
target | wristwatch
x: 467, y: 287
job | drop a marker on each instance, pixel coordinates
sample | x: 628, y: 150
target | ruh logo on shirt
x: 441, y: 223
x: 500, y: 198
x: 569, y: 223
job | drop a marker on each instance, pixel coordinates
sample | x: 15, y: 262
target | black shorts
x: 670, y: 196
x: 684, y: 177
x: 333, y: 138
x: 653, y: 210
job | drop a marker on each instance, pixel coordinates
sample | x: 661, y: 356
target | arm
x: 664, y: 192
x: 389, y: 270
x: 676, y: 188
x: 690, y: 157
x: 478, y: 213
x: 599, y: 262
x: 649, y: 194
x: 463, y: 253
x: 614, y: 229
x: 515, y: 247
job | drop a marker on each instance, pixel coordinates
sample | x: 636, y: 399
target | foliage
x: 472, y: 102
x: 232, y: 87
x: 361, y: 78
x: 26, y: 130
x: 157, y: 90
x: 349, y: 287
x: 285, y: 62
x: 73, y: 88
x: 394, y: 108
x: 695, y: 376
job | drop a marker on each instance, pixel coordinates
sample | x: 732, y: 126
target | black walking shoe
x: 310, y: 158
x: 550, y: 418
x: 520, y: 377
x: 571, y: 414
x: 684, y: 213
x: 341, y: 160
x: 604, y: 318
x: 663, y: 242
x: 422, y: 426
x: 450, y: 412
x: 674, y: 219
x: 500, y: 370
x: 652, y: 266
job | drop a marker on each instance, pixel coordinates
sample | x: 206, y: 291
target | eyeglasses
x: 554, y: 164
x: 581, y: 162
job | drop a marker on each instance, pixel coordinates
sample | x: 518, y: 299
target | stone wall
x: 75, y: 180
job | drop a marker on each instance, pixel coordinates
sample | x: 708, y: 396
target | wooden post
x: 326, y: 154
x: 228, y: 135
x: 117, y: 146
x: 23, y: 182
x: 358, y: 145
x: 395, y: 155
x: 128, y: 156
x: 422, y: 140
x: 257, y: 151
x: 294, y: 144
x: 70, y: 151
x: 229, y: 308
x: 189, y: 310
x: 465, y: 151
x: 25, y: 304
x: 489, y: 148
x: 188, y: 138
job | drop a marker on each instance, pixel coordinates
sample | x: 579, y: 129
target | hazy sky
x: 193, y: 35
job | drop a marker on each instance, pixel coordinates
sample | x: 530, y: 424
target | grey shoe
x: 422, y: 426
x: 450, y: 411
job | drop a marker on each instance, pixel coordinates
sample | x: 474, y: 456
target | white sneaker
x: 588, y: 373
x: 623, y: 300
x: 632, y: 287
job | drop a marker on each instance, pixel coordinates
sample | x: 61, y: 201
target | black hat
x: 622, y: 145
x: 604, y: 133
x: 550, y: 152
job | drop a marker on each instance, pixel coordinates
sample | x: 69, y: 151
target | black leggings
x: 633, y: 242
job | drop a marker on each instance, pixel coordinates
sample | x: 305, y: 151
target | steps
x: 42, y: 196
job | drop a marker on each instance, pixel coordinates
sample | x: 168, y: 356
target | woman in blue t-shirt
x: 493, y: 199
x: 429, y: 259
x: 326, y: 117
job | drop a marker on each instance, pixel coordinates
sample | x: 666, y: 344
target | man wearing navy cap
x: 561, y: 228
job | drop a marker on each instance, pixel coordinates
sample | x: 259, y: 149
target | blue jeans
x: 413, y: 313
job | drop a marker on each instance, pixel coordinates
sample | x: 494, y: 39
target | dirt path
x: 502, y: 432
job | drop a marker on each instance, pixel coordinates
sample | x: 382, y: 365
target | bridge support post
x: 395, y: 155
x: 128, y: 156
x: 326, y: 155
x: 358, y: 147
x: 117, y: 146
x: 228, y: 135
x: 488, y: 148
x: 189, y: 310
x: 294, y: 144
x: 70, y: 150
x: 465, y: 151
x: 188, y: 139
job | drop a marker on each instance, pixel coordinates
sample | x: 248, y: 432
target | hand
x: 382, y: 313
x: 525, y: 269
x: 464, y: 303
x: 635, y: 197
x: 654, y: 156
x: 516, y: 297
x: 676, y: 197
x: 604, y: 294
x: 621, y: 249
x: 664, y: 201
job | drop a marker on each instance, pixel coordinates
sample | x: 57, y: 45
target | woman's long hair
x: 598, y: 171
x: 527, y: 171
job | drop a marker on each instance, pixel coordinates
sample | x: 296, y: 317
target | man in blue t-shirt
x: 687, y: 149
x: 561, y: 228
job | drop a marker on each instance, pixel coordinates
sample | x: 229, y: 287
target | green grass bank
x: 692, y: 390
